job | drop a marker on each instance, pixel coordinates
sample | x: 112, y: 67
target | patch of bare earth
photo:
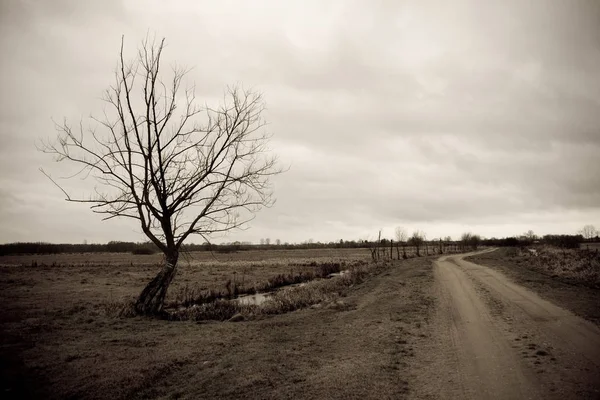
x: 57, y: 342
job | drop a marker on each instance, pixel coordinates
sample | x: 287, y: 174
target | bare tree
x: 465, y: 239
x: 417, y: 239
x: 448, y: 242
x: 589, y: 232
x: 530, y: 235
x: 401, y: 238
x: 470, y: 240
x: 175, y: 167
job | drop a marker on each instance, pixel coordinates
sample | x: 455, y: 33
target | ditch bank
x: 323, y: 290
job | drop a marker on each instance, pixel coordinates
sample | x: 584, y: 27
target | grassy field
x: 590, y: 246
x: 72, y: 280
x: 57, y: 341
x: 193, y: 258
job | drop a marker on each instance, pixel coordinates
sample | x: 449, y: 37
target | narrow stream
x: 253, y: 299
x: 259, y: 298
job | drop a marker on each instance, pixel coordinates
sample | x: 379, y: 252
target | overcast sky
x: 443, y: 116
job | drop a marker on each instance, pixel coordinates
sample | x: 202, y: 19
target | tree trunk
x: 150, y: 301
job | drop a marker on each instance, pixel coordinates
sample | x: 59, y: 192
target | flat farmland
x: 57, y: 341
x: 192, y: 258
x: 590, y: 246
x: 432, y: 327
x: 76, y: 280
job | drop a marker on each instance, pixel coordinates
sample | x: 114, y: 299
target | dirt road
x: 493, y: 339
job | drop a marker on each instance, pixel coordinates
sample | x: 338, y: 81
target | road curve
x: 494, y: 339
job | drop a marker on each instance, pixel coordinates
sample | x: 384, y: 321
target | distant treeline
x: 52, y: 248
x: 150, y: 248
x: 564, y: 241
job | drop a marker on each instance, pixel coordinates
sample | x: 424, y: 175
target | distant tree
x: 177, y: 168
x: 401, y: 235
x: 510, y: 242
x: 401, y: 238
x: 262, y: 241
x: 465, y: 238
x: 440, y: 245
x: 475, y: 241
x: 468, y: 239
x: 267, y: 241
x: 530, y: 235
x: 563, y: 241
x: 417, y: 239
x: 277, y: 242
x: 589, y: 232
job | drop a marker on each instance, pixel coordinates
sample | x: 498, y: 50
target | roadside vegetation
x: 576, y: 266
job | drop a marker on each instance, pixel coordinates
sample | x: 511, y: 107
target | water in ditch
x: 253, y: 299
x: 259, y: 298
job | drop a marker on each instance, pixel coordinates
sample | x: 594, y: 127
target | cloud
x: 432, y: 115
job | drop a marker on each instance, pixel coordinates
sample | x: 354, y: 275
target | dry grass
x: 58, y: 342
x: 590, y: 246
x: 194, y: 295
x: 317, y: 292
x: 197, y: 258
x: 289, y: 299
x: 107, y: 283
x: 218, y: 310
x: 569, y: 265
x: 62, y: 281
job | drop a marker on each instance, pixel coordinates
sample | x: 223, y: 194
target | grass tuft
x: 219, y: 310
x: 120, y: 309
